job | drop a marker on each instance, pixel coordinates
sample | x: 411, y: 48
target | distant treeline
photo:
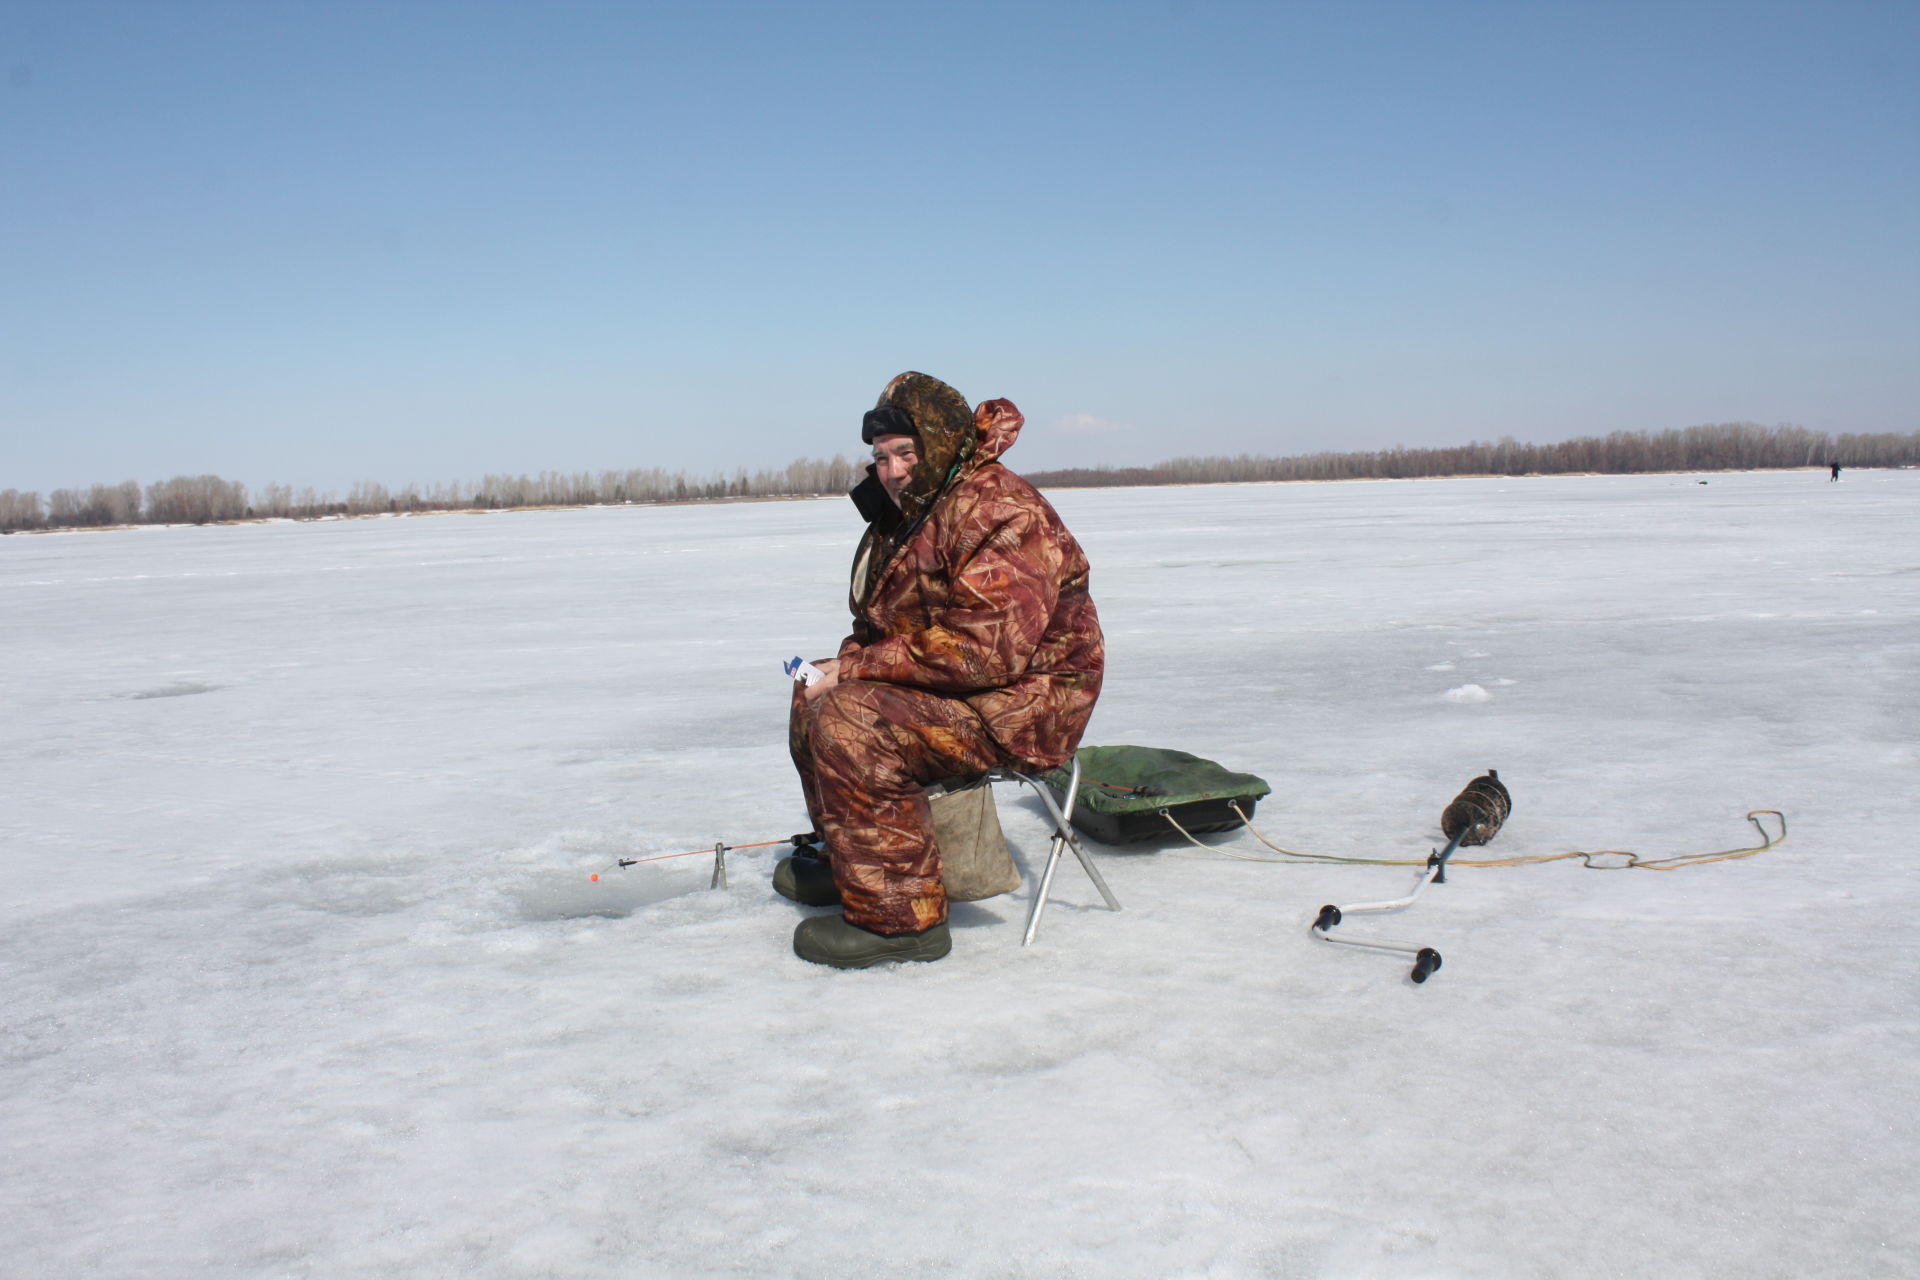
x: 206, y: 499
x: 1724, y: 446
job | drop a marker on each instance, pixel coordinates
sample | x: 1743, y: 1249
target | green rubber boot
x: 807, y: 880
x: 830, y: 940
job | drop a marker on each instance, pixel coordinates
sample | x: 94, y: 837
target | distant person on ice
x: 1836, y: 471
x: 974, y: 644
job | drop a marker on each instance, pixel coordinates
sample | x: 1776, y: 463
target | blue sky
x: 324, y: 242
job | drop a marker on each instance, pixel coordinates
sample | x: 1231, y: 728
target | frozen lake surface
x: 304, y: 974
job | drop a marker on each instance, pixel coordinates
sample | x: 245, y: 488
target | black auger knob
x: 1425, y: 964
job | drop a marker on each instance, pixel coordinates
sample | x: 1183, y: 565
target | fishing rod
x: 720, y: 850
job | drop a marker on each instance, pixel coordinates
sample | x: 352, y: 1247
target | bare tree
x: 64, y: 507
x: 117, y: 503
x: 20, y: 511
x: 274, y: 502
x: 367, y: 498
x: 1707, y: 447
x: 101, y: 504
x: 195, y: 500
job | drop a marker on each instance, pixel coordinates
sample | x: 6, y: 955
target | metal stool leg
x: 1063, y: 839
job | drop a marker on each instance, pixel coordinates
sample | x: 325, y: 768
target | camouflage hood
x: 955, y: 441
x: 947, y: 436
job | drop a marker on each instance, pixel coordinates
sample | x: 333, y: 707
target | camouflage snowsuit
x: 974, y: 644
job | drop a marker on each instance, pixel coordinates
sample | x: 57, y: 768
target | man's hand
x: 829, y: 677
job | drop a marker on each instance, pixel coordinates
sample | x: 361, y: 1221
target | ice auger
x: 1474, y: 817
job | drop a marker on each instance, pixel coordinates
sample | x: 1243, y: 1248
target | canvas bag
x: 975, y: 862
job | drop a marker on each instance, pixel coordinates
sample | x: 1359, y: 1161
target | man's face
x: 894, y: 458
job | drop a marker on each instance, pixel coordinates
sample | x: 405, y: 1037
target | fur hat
x: 887, y: 422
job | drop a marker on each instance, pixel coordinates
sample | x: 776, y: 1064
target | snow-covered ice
x: 304, y: 974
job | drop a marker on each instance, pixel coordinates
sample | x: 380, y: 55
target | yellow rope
x: 1767, y: 841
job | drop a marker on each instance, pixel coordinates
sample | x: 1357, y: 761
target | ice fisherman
x: 974, y: 644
